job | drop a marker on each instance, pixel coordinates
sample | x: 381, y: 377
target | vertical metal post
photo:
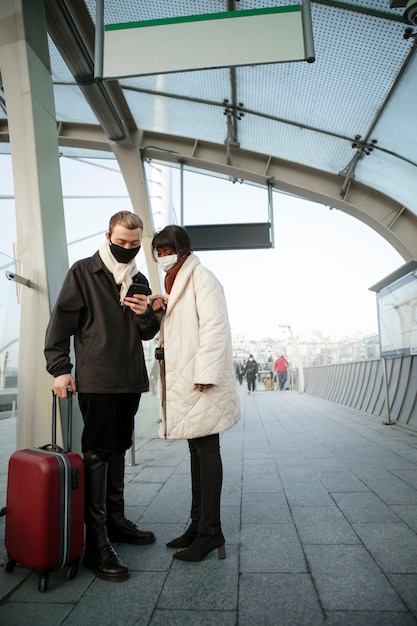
x: 299, y: 360
x: 298, y: 355
x: 271, y: 214
x: 132, y: 451
x: 99, y: 40
x: 181, y: 193
x: 387, y: 405
x: 310, y: 55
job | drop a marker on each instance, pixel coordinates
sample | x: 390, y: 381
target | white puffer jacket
x: 198, y: 349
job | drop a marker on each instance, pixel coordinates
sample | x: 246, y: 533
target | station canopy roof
x: 351, y: 113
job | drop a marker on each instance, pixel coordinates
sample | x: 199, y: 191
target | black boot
x: 99, y: 554
x: 201, y: 546
x: 206, y: 481
x: 119, y: 528
x: 185, y: 540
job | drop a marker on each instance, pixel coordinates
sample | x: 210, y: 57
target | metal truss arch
x: 394, y: 222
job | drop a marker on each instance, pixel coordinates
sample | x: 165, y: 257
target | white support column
x: 133, y: 172
x: 41, y: 241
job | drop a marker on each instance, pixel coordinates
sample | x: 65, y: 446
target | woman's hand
x: 159, y: 304
x: 200, y: 387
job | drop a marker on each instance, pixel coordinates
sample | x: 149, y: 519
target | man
x: 251, y: 372
x: 108, y: 328
x: 281, y: 368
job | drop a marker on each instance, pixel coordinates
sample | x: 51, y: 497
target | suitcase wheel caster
x: 9, y: 565
x: 72, y: 571
x: 43, y: 583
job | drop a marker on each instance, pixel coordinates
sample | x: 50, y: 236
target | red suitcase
x: 45, y: 508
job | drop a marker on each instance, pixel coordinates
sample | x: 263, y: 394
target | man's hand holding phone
x: 137, y: 298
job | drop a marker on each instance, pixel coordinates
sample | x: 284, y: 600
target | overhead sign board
x: 214, y: 40
x: 230, y: 236
x: 397, y: 317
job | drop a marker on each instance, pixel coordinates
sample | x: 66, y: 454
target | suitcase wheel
x: 43, y: 583
x: 9, y: 565
x: 72, y: 571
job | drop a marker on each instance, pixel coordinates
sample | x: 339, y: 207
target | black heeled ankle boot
x: 185, y: 540
x: 201, y: 547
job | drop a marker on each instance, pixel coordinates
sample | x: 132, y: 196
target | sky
x: 318, y: 274
x: 316, y: 277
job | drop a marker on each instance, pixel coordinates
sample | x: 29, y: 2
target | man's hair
x: 173, y: 237
x: 127, y: 219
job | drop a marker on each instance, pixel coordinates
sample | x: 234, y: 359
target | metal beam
x: 396, y: 223
x: 72, y: 30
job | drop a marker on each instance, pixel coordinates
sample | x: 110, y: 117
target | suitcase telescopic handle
x: 69, y: 419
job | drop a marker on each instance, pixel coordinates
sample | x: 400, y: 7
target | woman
x: 199, y: 392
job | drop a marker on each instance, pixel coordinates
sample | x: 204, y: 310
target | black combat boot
x: 99, y: 554
x: 119, y: 528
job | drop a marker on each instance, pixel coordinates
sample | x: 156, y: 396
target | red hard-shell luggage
x: 45, y: 508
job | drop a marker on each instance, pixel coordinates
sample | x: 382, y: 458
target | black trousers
x: 206, y: 483
x: 108, y: 422
x: 251, y: 384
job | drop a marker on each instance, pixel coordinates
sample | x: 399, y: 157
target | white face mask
x: 166, y: 263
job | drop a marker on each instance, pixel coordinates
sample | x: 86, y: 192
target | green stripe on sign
x: 203, y: 17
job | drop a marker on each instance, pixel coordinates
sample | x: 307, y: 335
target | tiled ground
x: 319, y: 512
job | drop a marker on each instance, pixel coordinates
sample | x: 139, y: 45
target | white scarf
x: 122, y: 272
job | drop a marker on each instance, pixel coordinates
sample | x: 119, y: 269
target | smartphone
x: 138, y: 288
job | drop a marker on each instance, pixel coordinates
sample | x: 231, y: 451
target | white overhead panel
x: 214, y: 40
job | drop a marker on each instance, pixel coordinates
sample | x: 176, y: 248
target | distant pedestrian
x: 251, y: 371
x: 281, y: 369
x: 239, y: 371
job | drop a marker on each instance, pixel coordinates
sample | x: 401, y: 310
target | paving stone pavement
x: 319, y: 511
